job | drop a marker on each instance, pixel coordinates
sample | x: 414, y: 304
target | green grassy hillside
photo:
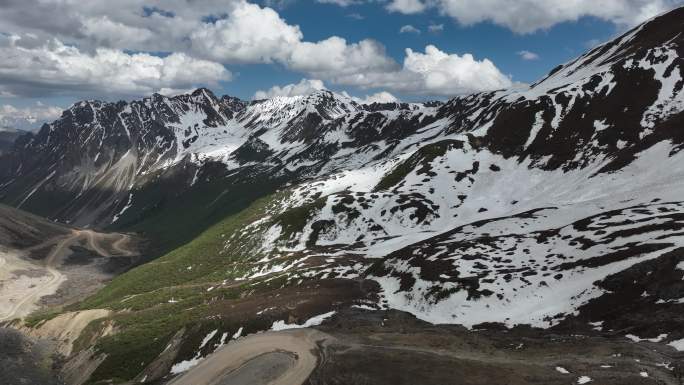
x: 199, y: 287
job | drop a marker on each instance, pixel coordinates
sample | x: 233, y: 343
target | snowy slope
x: 511, y: 206
x: 514, y: 206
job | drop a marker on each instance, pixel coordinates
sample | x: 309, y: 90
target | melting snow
x: 238, y: 333
x: 317, y: 320
x: 678, y: 344
x: 637, y: 339
x: 182, y: 366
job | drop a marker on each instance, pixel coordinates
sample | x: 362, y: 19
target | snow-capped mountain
x: 514, y: 206
x: 98, y: 154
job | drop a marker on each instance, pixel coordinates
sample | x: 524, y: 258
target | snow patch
x: 183, y: 366
x: 314, y: 321
x: 678, y: 344
x: 637, y: 339
x: 238, y: 333
x: 560, y: 369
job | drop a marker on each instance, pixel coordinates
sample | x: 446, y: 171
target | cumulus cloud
x: 197, y: 35
x: 54, y: 67
x: 252, y: 34
x: 443, y: 73
x: 26, y: 118
x: 249, y: 34
x: 97, y: 48
x: 409, y: 29
x: 304, y: 87
x: 105, y: 32
x: 380, y: 97
x: 170, y: 92
x: 435, y: 73
x: 526, y: 16
x: 528, y: 55
x: 335, y: 57
x: 406, y: 6
x: 141, y: 25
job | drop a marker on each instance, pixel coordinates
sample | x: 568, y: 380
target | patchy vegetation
x: 423, y: 157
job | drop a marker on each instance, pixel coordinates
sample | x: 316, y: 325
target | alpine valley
x: 533, y: 235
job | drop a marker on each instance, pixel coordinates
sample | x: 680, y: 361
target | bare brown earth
x: 44, y: 265
x: 21, y: 293
x: 63, y: 330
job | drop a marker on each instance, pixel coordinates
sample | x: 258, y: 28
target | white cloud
x: 236, y: 32
x: 380, y: 97
x: 406, y: 6
x: 409, y: 29
x: 335, y: 57
x: 526, y: 16
x: 249, y: 34
x: 435, y: 28
x: 199, y: 36
x: 170, y: 92
x: 434, y: 73
x: 304, y: 87
x: 445, y: 74
x: 141, y: 25
x: 27, y: 117
x: 108, y: 33
x: 56, y: 68
x: 356, y: 16
x: 528, y: 55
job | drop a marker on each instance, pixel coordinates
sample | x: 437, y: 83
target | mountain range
x: 557, y: 205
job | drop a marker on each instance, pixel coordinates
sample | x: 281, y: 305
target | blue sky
x: 555, y: 45
x: 234, y: 47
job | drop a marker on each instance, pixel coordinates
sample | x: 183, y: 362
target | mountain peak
x: 202, y: 90
x: 640, y: 44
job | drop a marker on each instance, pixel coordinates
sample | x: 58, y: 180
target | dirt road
x: 26, y: 299
x: 282, y: 358
x: 22, y: 293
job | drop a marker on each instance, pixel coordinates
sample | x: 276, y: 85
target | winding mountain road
x: 30, y: 297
